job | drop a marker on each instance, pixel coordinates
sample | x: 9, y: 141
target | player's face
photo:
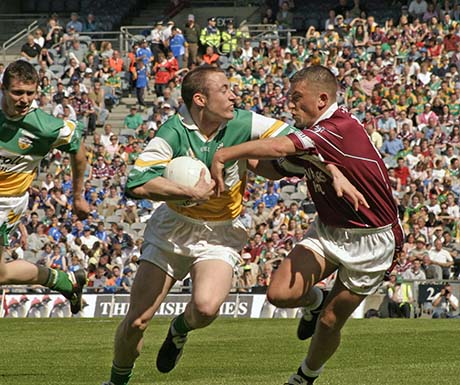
x: 18, y: 98
x: 220, y: 98
x: 304, y: 104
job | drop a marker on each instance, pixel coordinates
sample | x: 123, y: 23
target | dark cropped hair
x: 197, y: 81
x: 22, y: 71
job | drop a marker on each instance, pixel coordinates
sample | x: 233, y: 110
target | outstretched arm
x: 270, y: 148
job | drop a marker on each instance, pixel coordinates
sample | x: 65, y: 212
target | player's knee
x: 206, y: 310
x: 328, y: 322
x: 280, y: 298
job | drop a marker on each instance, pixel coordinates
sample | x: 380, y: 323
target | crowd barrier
x: 236, y: 305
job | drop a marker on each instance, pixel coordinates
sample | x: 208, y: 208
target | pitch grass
x: 231, y: 352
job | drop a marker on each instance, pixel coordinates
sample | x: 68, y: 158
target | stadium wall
x: 235, y: 306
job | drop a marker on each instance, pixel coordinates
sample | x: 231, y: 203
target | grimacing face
x: 303, y: 103
x: 220, y: 98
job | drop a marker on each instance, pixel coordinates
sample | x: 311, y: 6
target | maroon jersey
x: 340, y: 139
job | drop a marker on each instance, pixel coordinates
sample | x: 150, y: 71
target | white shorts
x: 362, y: 255
x: 174, y: 242
x: 12, y: 209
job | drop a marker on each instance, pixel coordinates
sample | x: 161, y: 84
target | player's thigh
x: 150, y: 287
x: 339, y: 306
x: 301, y: 269
x: 212, y: 281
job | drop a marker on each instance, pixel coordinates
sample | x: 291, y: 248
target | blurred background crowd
x: 399, y: 77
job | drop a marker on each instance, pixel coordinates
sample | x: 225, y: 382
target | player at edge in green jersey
x: 27, y: 134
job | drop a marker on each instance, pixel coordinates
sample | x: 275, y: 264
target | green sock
x: 180, y: 326
x: 59, y: 281
x: 120, y: 376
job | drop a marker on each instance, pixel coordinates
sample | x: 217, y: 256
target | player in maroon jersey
x: 332, y: 148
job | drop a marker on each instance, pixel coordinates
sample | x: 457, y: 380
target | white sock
x: 308, y: 372
x: 319, y: 298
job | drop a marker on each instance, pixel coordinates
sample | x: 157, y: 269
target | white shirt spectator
x: 441, y: 256
x: 454, y: 211
x: 59, y: 111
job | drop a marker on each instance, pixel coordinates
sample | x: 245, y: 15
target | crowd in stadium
x: 400, y: 78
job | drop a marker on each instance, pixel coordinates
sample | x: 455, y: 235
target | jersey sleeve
x: 264, y: 127
x: 69, y: 137
x: 152, y: 161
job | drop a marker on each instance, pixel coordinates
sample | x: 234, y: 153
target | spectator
x: 442, y: 258
x: 74, y: 23
x: 133, y: 120
x: 210, y: 35
x: 400, y: 298
x: 177, y: 45
x: 192, y: 38
x: 162, y: 70
x: 130, y: 214
x: 445, y: 303
x: 392, y: 145
x: 90, y: 24
x: 30, y: 50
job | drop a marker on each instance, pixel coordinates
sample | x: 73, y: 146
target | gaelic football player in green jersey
x: 203, y: 240
x: 27, y: 134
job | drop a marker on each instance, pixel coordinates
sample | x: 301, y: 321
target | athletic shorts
x: 174, y: 242
x: 362, y: 255
x: 12, y: 209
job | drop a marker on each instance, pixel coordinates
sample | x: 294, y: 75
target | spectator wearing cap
x: 121, y: 238
x: 230, y: 38
x: 192, y: 38
x: 88, y: 238
x: 424, y: 118
x: 129, y: 215
x: 210, y: 35
x: 157, y: 39
x: 74, y: 23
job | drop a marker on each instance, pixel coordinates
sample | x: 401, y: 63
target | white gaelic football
x: 186, y: 171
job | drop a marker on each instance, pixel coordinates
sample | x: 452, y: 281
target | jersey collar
x: 327, y: 114
x: 187, y: 121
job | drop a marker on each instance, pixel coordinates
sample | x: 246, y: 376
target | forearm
x: 271, y: 148
x: 264, y: 168
x: 78, y: 164
x: 162, y: 189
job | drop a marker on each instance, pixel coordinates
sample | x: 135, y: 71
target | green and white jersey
x: 25, y: 142
x: 179, y: 136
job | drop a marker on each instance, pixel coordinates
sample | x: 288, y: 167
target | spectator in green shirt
x: 133, y: 120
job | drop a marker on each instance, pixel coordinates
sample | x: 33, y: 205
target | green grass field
x: 231, y: 352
